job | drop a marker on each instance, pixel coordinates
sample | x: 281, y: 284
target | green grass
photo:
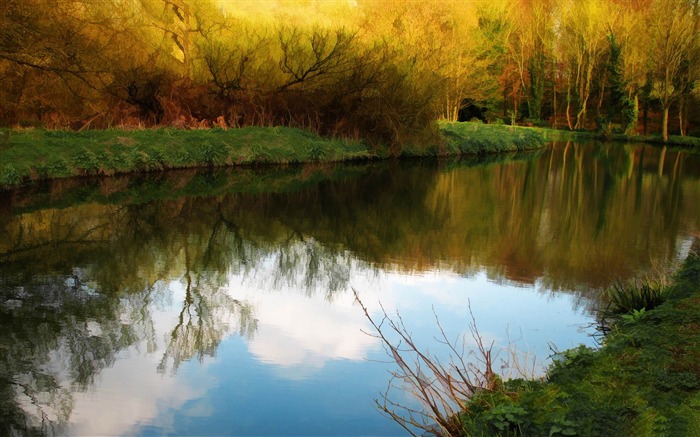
x: 673, y: 140
x: 43, y: 154
x: 643, y: 381
x: 35, y: 154
x: 47, y: 154
x: 477, y: 138
x: 567, y: 135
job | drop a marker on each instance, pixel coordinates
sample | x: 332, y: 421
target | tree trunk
x: 554, y: 103
x: 664, y: 124
x: 682, y: 119
x: 632, y: 127
x: 568, y: 104
x: 645, y: 116
x: 581, y: 115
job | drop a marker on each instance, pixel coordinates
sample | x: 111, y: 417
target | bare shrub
x: 443, y: 389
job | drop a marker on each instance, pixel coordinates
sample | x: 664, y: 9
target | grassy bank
x: 37, y: 154
x: 644, y: 380
x: 477, y: 138
x: 45, y: 154
x: 30, y: 155
x: 567, y: 135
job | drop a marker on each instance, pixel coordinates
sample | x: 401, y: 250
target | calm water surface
x: 221, y: 303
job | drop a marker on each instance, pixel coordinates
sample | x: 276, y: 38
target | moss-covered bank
x: 48, y: 154
x: 643, y: 381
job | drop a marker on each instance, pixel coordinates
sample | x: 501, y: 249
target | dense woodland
x: 379, y: 70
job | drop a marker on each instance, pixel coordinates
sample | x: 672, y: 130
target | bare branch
x: 443, y: 390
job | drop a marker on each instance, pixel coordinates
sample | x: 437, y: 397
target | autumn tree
x: 529, y: 52
x: 690, y: 70
x: 181, y: 23
x: 366, y: 68
x: 672, y: 52
x: 583, y: 40
x: 48, y: 57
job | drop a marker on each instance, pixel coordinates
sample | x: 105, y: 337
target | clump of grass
x: 637, y: 295
x: 9, y: 175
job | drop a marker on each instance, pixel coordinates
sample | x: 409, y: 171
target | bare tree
x: 305, y: 57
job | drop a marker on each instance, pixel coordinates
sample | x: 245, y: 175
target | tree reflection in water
x: 78, y: 284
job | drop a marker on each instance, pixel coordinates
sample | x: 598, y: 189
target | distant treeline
x: 376, y: 70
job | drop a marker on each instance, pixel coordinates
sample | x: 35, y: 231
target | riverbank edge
x: 643, y: 380
x: 34, y: 154
x: 684, y: 142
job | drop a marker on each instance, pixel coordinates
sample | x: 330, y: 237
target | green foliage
x: 603, y: 126
x: 86, y: 161
x: 615, y: 76
x: 562, y: 427
x: 211, y: 154
x: 630, y: 115
x: 634, y: 316
x: 537, y: 71
x: 316, y: 153
x: 668, y: 380
x: 506, y: 418
x: 145, y: 159
x: 57, y: 167
x: 580, y: 356
x: 9, y: 175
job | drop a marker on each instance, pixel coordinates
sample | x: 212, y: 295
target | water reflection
x: 164, y: 270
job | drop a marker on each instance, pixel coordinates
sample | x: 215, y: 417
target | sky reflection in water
x: 309, y: 366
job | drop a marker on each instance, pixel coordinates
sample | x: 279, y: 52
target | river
x: 221, y: 302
